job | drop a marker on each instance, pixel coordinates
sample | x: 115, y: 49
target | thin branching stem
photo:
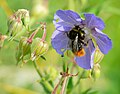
x: 79, y: 78
x: 64, y: 85
x: 37, y: 69
x: 16, y: 40
x: 56, y: 87
x: 44, y: 33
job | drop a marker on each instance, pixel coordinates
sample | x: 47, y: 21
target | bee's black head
x: 76, y: 31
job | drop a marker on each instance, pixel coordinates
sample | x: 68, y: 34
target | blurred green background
x: 16, y: 80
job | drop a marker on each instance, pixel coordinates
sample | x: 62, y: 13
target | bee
x: 77, y: 36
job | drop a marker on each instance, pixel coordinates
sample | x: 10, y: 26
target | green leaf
x: 90, y: 91
x: 70, y: 85
x: 46, y: 85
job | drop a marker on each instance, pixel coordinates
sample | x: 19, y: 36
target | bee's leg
x: 88, y: 41
x: 85, y: 44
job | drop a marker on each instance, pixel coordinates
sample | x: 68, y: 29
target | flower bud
x: 98, y: 56
x: 15, y: 26
x: 23, y: 49
x: 18, y: 22
x: 2, y: 39
x: 24, y: 15
x: 39, y: 48
x: 96, y: 71
x: 26, y: 46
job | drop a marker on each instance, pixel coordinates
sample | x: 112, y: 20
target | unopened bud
x: 18, y: 22
x: 98, y: 56
x: 24, y: 15
x: 39, y: 48
x: 2, y: 39
x: 26, y: 46
x: 14, y: 26
x: 96, y: 71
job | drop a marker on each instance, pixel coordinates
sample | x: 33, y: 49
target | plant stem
x: 44, y: 33
x: 44, y: 83
x: 16, y: 40
x: 79, y: 78
x: 6, y: 7
x: 37, y: 69
x: 33, y: 35
x: 56, y: 87
x: 64, y: 85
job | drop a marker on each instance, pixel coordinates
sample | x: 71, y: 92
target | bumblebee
x: 77, y: 36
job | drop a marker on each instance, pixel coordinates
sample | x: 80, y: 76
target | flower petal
x: 86, y: 61
x: 91, y: 21
x: 73, y: 15
x: 59, y: 41
x: 65, y: 20
x: 63, y: 26
x: 103, y: 41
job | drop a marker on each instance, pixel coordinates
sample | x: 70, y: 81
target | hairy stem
x: 44, y: 33
x: 48, y: 88
x: 37, y: 69
x: 32, y: 35
x: 16, y: 40
x: 79, y: 78
x: 64, y: 85
x: 56, y: 87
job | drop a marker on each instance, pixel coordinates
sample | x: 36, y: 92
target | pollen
x: 80, y: 53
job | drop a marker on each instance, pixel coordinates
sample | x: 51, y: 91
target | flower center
x: 77, y: 36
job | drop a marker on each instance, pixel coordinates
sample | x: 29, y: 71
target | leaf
x: 70, y: 85
x: 90, y: 91
x: 47, y: 86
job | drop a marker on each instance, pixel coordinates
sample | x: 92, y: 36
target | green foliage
x: 70, y: 85
x: 11, y: 80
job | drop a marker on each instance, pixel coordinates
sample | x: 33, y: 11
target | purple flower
x: 81, y: 36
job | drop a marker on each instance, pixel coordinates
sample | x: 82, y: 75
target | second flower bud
x: 39, y: 48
